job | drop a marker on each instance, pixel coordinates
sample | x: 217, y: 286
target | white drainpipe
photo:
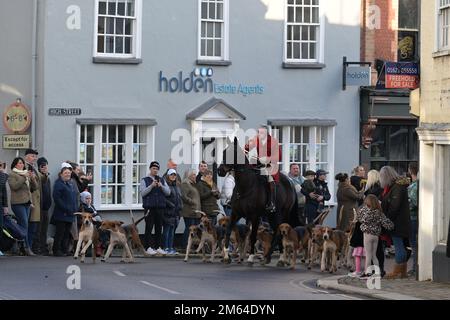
x: 33, y: 73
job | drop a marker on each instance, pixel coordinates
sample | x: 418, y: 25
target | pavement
x: 398, y: 289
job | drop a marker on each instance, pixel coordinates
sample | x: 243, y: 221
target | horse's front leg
x: 251, y: 257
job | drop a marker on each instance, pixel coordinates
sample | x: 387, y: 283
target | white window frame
x: 225, y: 33
x: 150, y: 153
x: 313, y: 165
x: 441, y: 6
x: 137, y: 36
x: 320, y: 37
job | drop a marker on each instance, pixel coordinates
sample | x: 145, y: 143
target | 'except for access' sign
x: 16, y: 141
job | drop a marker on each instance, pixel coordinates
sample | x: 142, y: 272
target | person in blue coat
x: 63, y: 214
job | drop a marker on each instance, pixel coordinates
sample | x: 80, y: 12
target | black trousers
x: 62, y: 236
x: 40, y: 237
x: 153, y: 219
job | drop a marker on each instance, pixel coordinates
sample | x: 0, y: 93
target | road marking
x: 297, y: 283
x: 348, y: 297
x: 5, y: 296
x: 158, y: 287
x: 120, y: 274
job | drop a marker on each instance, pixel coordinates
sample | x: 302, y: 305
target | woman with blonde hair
x: 373, y: 185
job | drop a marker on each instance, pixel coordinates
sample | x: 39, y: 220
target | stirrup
x: 271, y: 208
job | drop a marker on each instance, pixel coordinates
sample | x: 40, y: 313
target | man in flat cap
x: 35, y: 216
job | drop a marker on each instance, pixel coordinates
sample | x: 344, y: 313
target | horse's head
x: 233, y: 158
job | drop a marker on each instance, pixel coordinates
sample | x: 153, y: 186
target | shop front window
x: 117, y: 156
x: 394, y: 145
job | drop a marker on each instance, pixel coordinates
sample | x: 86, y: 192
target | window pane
x: 203, y: 30
x: 110, y: 25
x: 130, y: 8
x: 218, y: 31
x: 203, y: 47
x: 121, y: 131
x: 101, y: 44
x: 305, y: 154
x: 120, y: 154
x: 290, y: 14
x: 101, y: 25
x: 119, y: 26
x: 408, y: 14
x: 297, y: 134
x: 218, y: 48
x: 398, y: 142
x: 212, y: 11
x: 90, y: 154
x: 120, y: 195
x: 90, y: 134
x: 112, y: 134
x: 289, y: 50
x: 128, y: 27
x: 204, y: 10
x: 298, y: 14
x: 304, y: 50
x: 312, y: 33
x: 307, y: 13
x: 305, y: 135
x: 220, y: 11
x: 110, y: 44
x: 323, y: 134
x: 209, y: 48
x: 295, y: 153
x: 296, y: 32
x: 210, y: 29
x: 312, y: 51
x: 305, y: 30
x: 112, y: 8
x: 315, y: 15
x: 82, y: 153
x: 128, y: 42
x: 307, y: 2
x: 119, y: 44
x: 102, y: 7
x: 378, y: 146
x: 297, y: 50
x: 121, y: 7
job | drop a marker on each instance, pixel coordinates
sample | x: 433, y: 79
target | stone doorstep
x: 333, y: 283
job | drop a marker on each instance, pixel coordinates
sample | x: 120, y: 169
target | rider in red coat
x: 264, y: 150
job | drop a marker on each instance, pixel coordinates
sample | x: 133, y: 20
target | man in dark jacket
x: 315, y: 199
x: 46, y: 202
x: 154, y: 190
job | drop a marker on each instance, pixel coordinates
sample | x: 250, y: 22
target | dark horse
x: 250, y: 198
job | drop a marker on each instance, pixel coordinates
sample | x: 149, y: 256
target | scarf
x: 23, y: 173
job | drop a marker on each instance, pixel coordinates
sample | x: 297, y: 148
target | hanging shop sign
x: 356, y: 73
x: 17, y: 117
x: 16, y: 141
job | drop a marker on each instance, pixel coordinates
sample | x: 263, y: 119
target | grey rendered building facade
x: 145, y: 73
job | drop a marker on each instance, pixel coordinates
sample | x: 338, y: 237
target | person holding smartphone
x: 154, y: 190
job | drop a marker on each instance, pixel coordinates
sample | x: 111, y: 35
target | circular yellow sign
x: 17, y: 117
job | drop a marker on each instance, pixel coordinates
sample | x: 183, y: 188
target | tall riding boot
x: 272, y: 197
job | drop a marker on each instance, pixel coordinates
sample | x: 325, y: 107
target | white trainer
x: 150, y: 251
x: 161, y: 251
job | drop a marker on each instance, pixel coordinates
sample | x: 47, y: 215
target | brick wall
x: 379, y: 25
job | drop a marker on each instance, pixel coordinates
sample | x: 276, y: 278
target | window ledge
x: 441, y: 53
x: 116, y: 60
x: 223, y: 63
x: 300, y: 65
